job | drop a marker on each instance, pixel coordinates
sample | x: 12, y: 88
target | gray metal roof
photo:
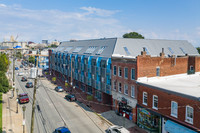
x: 154, y: 47
x: 84, y: 47
x: 108, y: 47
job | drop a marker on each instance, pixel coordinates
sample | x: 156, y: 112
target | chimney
x: 143, y: 53
x: 162, y: 54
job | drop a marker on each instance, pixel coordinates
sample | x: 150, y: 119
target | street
x: 53, y: 111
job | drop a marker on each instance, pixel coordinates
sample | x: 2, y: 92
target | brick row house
x: 133, y: 78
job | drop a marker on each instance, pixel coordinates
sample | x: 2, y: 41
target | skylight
x: 90, y: 50
x: 146, y: 51
x: 170, y: 49
x: 68, y: 49
x: 126, y: 50
x: 182, y: 50
x: 100, y: 50
x: 77, y: 49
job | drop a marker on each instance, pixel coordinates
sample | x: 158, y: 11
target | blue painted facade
x: 98, y: 78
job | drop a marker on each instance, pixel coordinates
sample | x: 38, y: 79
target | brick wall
x: 123, y: 80
x: 146, y: 66
x: 197, y: 64
x: 164, y: 104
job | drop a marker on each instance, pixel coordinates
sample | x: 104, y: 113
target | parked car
x: 62, y: 130
x: 25, y: 68
x: 21, y: 66
x: 29, y: 84
x: 46, y: 70
x: 24, y: 78
x: 23, y: 98
x: 20, y: 74
x: 117, y: 129
x: 22, y: 94
x: 70, y: 98
x: 16, y: 68
x: 59, y: 89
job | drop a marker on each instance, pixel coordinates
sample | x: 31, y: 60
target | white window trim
x: 153, y: 102
x: 159, y: 71
x: 124, y: 89
x: 119, y: 72
x: 114, y: 71
x: 143, y: 98
x: 131, y: 73
x: 125, y: 73
x: 118, y: 87
x: 190, y: 119
x: 134, y: 91
x: 176, y: 116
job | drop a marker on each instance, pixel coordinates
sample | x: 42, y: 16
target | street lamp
x: 17, y: 90
x: 24, y: 109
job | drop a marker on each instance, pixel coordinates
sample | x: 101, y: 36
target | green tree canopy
x: 32, y: 59
x: 198, y: 48
x: 133, y: 35
x: 4, y: 62
x: 19, y: 55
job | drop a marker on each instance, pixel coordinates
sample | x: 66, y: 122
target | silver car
x: 117, y: 129
x: 59, y: 89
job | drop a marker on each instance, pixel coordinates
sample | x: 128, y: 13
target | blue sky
x: 34, y: 20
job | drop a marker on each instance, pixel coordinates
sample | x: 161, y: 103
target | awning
x: 173, y: 127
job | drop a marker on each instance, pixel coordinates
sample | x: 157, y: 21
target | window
x: 191, y: 68
x: 120, y: 87
x: 126, y: 72
x: 114, y: 70
x: 145, y: 98
x: 115, y: 85
x: 132, y: 91
x: 119, y: 71
x: 155, y: 102
x: 157, y: 71
x: 77, y: 49
x: 90, y: 50
x: 100, y: 50
x: 174, y: 109
x: 189, y: 114
x: 68, y: 49
x: 146, y: 51
x: 170, y: 49
x: 133, y: 74
x: 182, y: 50
x: 126, y: 50
x: 125, y: 89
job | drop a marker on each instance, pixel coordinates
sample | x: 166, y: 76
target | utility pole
x: 34, y: 97
x: 13, y: 73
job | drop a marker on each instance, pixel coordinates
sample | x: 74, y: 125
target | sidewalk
x: 12, y: 121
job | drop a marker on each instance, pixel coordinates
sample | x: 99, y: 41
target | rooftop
x: 182, y: 85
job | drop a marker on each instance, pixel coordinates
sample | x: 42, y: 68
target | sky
x: 62, y: 20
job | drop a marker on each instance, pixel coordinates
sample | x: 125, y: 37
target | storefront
x: 125, y: 110
x: 173, y: 127
x: 148, y: 120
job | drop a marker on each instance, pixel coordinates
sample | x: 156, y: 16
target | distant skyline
x: 37, y: 20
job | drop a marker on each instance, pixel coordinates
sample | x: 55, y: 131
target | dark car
x: 59, y: 89
x: 23, y: 98
x: 29, y: 84
x: 16, y: 68
x: 70, y: 98
x: 62, y: 130
x: 46, y: 70
x: 24, y: 79
x: 21, y: 66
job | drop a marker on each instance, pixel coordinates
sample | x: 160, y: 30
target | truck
x: 34, y: 71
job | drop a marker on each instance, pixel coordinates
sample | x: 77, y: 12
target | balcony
x: 82, y: 67
x: 98, y: 70
x: 98, y: 85
x: 89, y: 81
x: 108, y: 72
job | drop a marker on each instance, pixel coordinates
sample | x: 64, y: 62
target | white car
x: 25, y: 68
x: 117, y: 129
x: 20, y: 74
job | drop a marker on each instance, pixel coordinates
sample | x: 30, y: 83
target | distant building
x: 43, y: 61
x: 45, y: 42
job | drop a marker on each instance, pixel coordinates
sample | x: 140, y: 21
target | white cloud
x: 99, y: 12
x: 3, y: 5
x: 36, y: 25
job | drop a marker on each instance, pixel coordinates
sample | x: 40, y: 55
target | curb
x: 101, y: 117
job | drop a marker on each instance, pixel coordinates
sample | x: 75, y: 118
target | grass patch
x: 1, y: 112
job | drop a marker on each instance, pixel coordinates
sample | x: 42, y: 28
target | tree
x: 53, y: 46
x: 133, y: 35
x: 19, y: 55
x: 32, y: 59
x: 198, y: 48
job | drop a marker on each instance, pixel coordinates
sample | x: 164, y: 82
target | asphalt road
x: 52, y: 110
